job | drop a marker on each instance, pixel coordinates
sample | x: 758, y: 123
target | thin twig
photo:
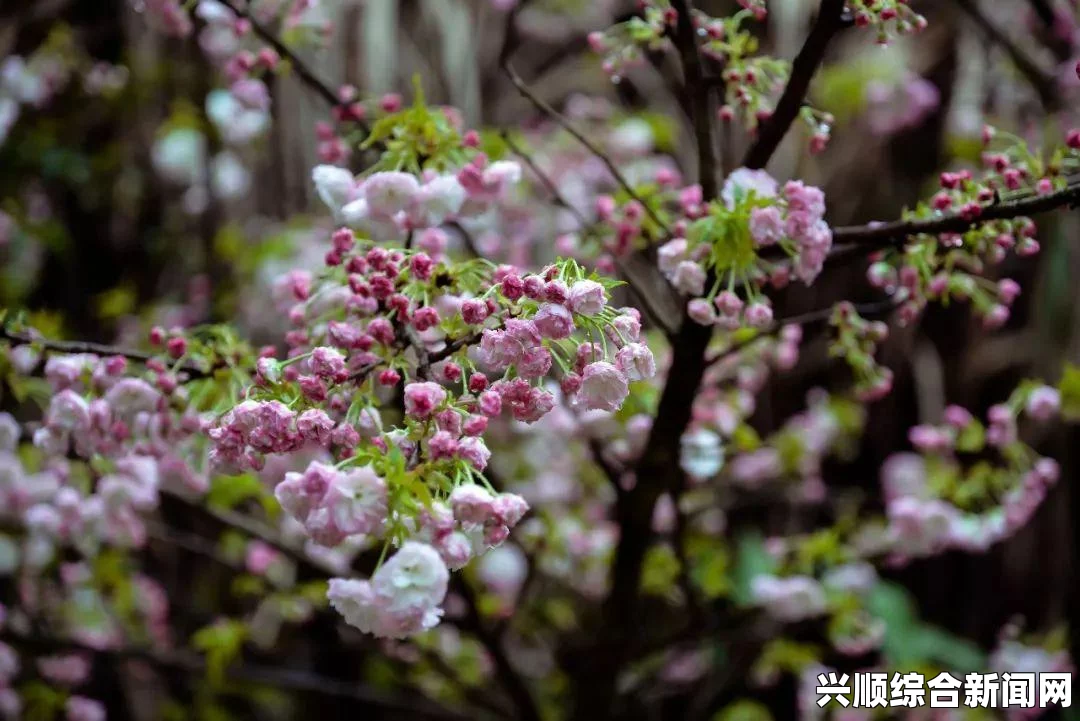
x: 586, y: 228
x: 509, y: 45
x: 830, y: 20
x: 306, y: 75
x: 17, y: 338
x: 257, y: 529
x: 1043, y: 83
x: 508, y: 676
x: 545, y: 180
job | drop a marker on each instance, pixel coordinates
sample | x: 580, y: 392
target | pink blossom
x: 472, y: 504
x: 636, y: 361
x: 754, y: 468
x: 473, y: 450
x: 436, y: 201
x: 80, y: 708
x: 490, y: 403
x: 554, y: 321
x: 509, y: 508
x: 421, y: 399
x: 587, y: 297
x: 535, y: 363
x: 743, y: 181
x: 671, y: 254
x: 335, y: 186
x: 474, y: 311
x: 688, y: 277
x: 300, y: 493
x: 701, y: 311
x: 1043, y: 403
x: 355, y: 502
x: 389, y: 193
x: 130, y: 396
x: 455, y: 549
x: 766, y: 226
x: 603, y: 387
x: 403, y: 596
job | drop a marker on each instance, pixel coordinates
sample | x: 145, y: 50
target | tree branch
x: 306, y: 75
x: 699, y: 91
x: 16, y: 339
x: 585, y: 227
x: 830, y: 20
x: 1044, y: 84
x: 874, y: 236
x: 508, y: 676
x: 293, y: 680
x: 509, y: 45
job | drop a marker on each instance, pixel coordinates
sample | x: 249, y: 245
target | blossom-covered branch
x: 866, y: 238
x: 830, y: 20
x: 21, y: 338
x: 303, y: 72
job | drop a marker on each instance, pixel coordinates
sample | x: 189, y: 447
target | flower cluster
x: 933, y: 502
x: 140, y: 437
x: 623, y: 46
x: 471, y: 342
x: 856, y: 342
x: 888, y: 17
x: 754, y: 214
x: 951, y: 266
x: 387, y: 205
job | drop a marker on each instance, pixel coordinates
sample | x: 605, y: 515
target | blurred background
x: 136, y: 191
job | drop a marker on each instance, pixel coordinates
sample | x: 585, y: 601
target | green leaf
x: 909, y: 642
x: 972, y: 439
x: 744, y: 710
x: 660, y: 571
x: 221, y: 643
x: 712, y: 570
x: 41, y: 702
x: 751, y: 560
x: 116, y: 302
x: 745, y: 438
x: 230, y: 491
x: 1069, y: 387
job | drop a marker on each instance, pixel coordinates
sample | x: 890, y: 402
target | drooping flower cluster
x: 389, y: 204
x: 888, y: 17
x: 724, y: 240
x: 141, y: 437
x: 470, y: 341
x: 623, y: 46
x: 924, y: 519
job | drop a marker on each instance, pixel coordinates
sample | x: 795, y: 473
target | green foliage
x: 221, y: 643
x: 228, y: 492
x: 1069, y: 387
x: 416, y: 138
x: 711, y: 567
x: 660, y: 570
x: 42, y: 702
x: 752, y: 559
x: 781, y: 655
x: 743, y: 710
x: 910, y: 642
